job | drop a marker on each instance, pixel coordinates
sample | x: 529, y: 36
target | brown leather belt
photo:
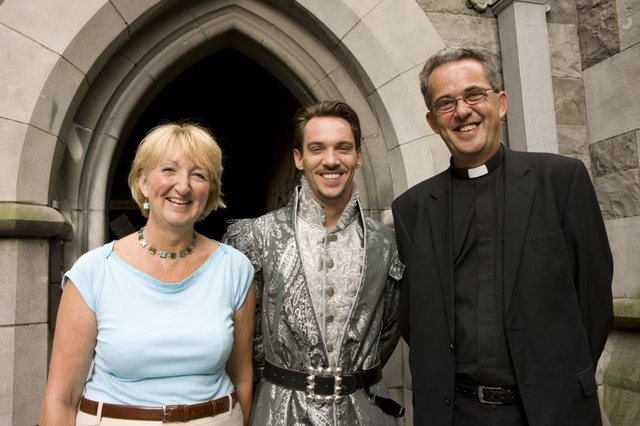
x: 164, y: 414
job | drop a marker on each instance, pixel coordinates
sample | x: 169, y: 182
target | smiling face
x: 329, y: 159
x: 177, y: 190
x: 471, y: 132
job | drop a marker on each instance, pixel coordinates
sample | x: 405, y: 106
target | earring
x: 145, y: 205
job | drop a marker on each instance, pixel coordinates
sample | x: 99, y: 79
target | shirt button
x: 329, y: 263
x: 332, y: 237
x: 447, y: 400
x: 330, y: 291
x: 329, y: 347
x: 329, y: 318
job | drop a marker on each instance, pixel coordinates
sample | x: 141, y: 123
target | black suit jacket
x: 557, y: 289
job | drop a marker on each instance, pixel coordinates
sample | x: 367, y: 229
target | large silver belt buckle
x: 314, y: 372
x: 481, y: 390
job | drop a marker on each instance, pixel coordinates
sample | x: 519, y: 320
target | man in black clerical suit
x: 506, y: 300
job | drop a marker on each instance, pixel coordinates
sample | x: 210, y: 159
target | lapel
x: 518, y: 199
x: 439, y: 216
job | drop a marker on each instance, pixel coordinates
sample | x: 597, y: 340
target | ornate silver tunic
x: 320, y: 302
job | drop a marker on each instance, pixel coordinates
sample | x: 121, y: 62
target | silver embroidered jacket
x: 289, y: 328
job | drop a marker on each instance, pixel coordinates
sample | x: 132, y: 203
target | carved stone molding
x: 480, y: 5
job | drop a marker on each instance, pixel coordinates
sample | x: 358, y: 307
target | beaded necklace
x: 163, y: 254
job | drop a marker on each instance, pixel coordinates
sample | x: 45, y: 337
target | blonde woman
x: 165, y: 314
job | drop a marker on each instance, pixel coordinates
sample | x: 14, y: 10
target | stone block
x: 572, y: 140
x: 598, y: 31
x: 621, y: 400
x: 627, y: 313
x: 562, y: 12
x: 447, y: 6
x: 563, y: 51
x: 628, y: 13
x: 50, y: 24
x: 394, y: 26
x: 30, y: 373
x: 24, y: 281
x: 614, y: 155
x: 612, y: 89
x: 402, y: 100
x: 569, y: 101
x: 26, y: 66
x: 12, y: 136
x: 619, y: 194
x: 479, y: 31
x: 624, y: 237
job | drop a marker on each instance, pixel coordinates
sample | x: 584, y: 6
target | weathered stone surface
x: 572, y: 140
x: 598, y: 30
x: 615, y: 155
x: 628, y: 12
x: 621, y: 399
x: 569, y: 101
x: 446, y: 6
x: 563, y: 49
x: 478, y: 31
x: 619, y: 194
x: 627, y: 313
x: 562, y: 12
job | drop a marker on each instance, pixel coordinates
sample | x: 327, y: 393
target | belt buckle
x: 165, y: 414
x: 336, y: 373
x: 481, y: 390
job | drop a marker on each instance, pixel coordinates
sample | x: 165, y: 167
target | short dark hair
x: 453, y: 54
x: 337, y: 109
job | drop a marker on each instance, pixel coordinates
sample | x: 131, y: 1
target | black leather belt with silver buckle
x: 328, y: 385
x: 322, y: 382
x: 488, y: 394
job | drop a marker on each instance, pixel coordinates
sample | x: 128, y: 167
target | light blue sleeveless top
x: 157, y: 343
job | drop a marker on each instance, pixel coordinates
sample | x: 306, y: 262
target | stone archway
x: 312, y: 59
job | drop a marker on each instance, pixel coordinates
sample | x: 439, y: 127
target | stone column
x: 526, y: 70
x: 26, y: 275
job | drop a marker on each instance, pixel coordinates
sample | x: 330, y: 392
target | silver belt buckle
x: 336, y: 398
x: 165, y: 413
x: 481, y: 395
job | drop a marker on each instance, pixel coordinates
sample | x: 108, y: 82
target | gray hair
x: 453, y: 54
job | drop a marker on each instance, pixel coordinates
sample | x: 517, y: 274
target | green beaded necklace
x: 164, y: 254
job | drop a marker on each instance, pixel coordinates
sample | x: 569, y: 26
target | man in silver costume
x: 327, y: 287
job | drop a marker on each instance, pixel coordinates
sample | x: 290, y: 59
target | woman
x: 165, y: 314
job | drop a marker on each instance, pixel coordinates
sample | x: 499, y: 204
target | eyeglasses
x: 472, y: 96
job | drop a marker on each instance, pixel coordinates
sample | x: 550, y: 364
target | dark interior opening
x: 249, y: 111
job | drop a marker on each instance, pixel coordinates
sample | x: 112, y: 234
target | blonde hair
x: 195, y: 141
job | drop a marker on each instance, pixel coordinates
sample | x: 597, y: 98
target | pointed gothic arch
x: 321, y: 54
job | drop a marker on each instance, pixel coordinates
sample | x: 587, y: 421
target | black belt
x: 488, y: 394
x: 324, y: 384
x: 328, y: 385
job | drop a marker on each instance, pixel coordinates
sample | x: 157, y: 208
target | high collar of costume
x: 482, y: 170
x: 311, y: 209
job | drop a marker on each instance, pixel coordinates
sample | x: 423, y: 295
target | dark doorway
x: 249, y: 112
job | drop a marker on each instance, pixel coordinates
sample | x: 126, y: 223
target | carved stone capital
x: 480, y: 5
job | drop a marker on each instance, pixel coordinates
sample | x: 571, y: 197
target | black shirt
x: 482, y: 354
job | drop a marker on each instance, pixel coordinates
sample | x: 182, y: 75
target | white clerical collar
x: 482, y: 170
x: 477, y: 171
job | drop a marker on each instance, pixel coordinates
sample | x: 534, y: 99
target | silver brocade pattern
x: 288, y: 326
x: 332, y: 263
